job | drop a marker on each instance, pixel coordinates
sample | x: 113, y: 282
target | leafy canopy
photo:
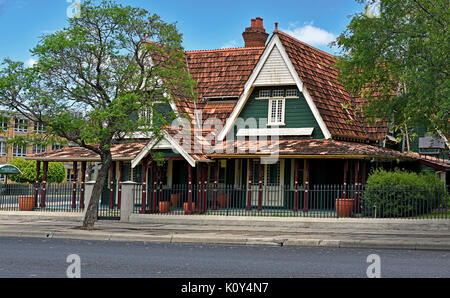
x: 92, y: 78
x: 398, y: 61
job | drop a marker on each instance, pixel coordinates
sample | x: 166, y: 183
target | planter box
x: 26, y: 203
x: 344, y: 207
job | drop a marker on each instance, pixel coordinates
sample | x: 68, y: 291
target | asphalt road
x: 38, y: 257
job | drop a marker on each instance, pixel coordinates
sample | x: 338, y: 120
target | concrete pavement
x: 311, y: 232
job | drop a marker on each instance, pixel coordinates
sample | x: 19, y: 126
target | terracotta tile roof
x: 316, y: 71
x: 309, y: 148
x: 123, y: 151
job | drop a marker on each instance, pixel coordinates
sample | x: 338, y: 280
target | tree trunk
x: 91, y: 214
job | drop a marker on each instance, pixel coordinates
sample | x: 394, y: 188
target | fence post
x: 127, y: 201
x: 44, y: 185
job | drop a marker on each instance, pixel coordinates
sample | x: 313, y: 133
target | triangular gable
x: 275, y: 71
x: 274, y: 42
x: 167, y: 142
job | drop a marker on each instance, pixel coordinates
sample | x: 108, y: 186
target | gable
x: 297, y: 113
x: 274, y: 71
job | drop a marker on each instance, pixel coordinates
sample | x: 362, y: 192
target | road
x: 42, y: 257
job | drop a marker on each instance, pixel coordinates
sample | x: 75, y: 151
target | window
x: 276, y: 112
x: 19, y: 151
x: 39, y: 127
x: 38, y: 148
x: 57, y: 146
x: 3, y: 123
x: 292, y: 93
x: 278, y: 93
x: 264, y: 93
x: 3, y: 148
x: 20, y: 125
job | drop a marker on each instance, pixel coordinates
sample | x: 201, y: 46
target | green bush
x: 55, y: 173
x: 403, y: 194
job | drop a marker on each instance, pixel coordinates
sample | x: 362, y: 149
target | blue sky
x: 205, y: 24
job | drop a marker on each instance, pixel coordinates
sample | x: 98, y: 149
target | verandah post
x: 83, y: 182
x: 205, y: 186
x: 44, y: 185
x: 345, y: 179
x: 249, y: 192
x: 154, y: 184
x: 190, y: 189
x: 74, y: 182
x: 119, y: 191
x: 356, y: 185
x: 216, y: 175
x: 36, y: 186
x: 296, y: 186
x: 305, y: 207
x: 144, y: 184
x: 260, y: 169
x: 199, y: 180
x: 111, y: 187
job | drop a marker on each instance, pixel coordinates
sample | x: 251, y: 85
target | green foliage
x: 402, y: 194
x: 398, y: 61
x: 112, y: 63
x: 55, y: 173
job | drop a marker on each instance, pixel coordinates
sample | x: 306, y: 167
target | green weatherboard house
x: 271, y: 121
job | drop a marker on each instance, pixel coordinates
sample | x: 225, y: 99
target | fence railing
x: 361, y: 201
x: 61, y: 197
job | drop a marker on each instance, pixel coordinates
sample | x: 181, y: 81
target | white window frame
x: 21, y: 125
x: 38, y: 148
x: 291, y: 96
x: 281, y: 103
x: 39, y: 127
x: 3, y: 148
x: 19, y: 151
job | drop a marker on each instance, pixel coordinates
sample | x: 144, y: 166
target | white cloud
x: 311, y: 35
x: 30, y: 62
x: 230, y: 44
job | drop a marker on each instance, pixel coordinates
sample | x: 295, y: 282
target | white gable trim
x: 249, y: 85
x: 168, y: 143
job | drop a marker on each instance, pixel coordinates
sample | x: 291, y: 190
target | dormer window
x: 278, y: 93
x: 264, y: 93
x: 276, y: 112
x: 292, y: 93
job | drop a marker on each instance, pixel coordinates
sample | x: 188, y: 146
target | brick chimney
x: 255, y: 36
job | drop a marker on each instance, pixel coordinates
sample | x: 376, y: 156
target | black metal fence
x: 62, y: 197
x: 361, y: 201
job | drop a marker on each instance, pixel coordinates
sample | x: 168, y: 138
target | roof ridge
x: 304, y: 43
x: 225, y: 49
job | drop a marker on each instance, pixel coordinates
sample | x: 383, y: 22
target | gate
x: 108, y: 207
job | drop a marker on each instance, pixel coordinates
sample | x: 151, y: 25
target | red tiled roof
x: 309, y: 148
x: 123, y: 151
x: 315, y: 69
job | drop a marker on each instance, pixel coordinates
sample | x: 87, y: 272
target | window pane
x: 264, y: 93
x: 291, y: 93
x: 278, y: 93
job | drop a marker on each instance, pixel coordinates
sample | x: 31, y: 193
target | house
x: 16, y: 126
x: 269, y: 114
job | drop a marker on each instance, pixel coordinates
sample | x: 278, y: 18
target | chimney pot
x: 255, y: 36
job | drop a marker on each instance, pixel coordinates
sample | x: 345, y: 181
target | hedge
x: 404, y: 194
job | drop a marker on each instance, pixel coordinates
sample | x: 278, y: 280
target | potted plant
x: 223, y: 200
x: 186, y: 207
x: 26, y: 203
x: 344, y: 207
x: 175, y: 199
x: 164, y: 206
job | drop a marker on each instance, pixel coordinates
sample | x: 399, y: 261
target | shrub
x: 403, y: 194
x: 55, y: 173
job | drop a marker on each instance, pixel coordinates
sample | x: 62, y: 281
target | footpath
x: 423, y: 234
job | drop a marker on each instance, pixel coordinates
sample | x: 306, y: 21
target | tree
x: 397, y: 60
x: 92, y: 78
x: 55, y: 173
